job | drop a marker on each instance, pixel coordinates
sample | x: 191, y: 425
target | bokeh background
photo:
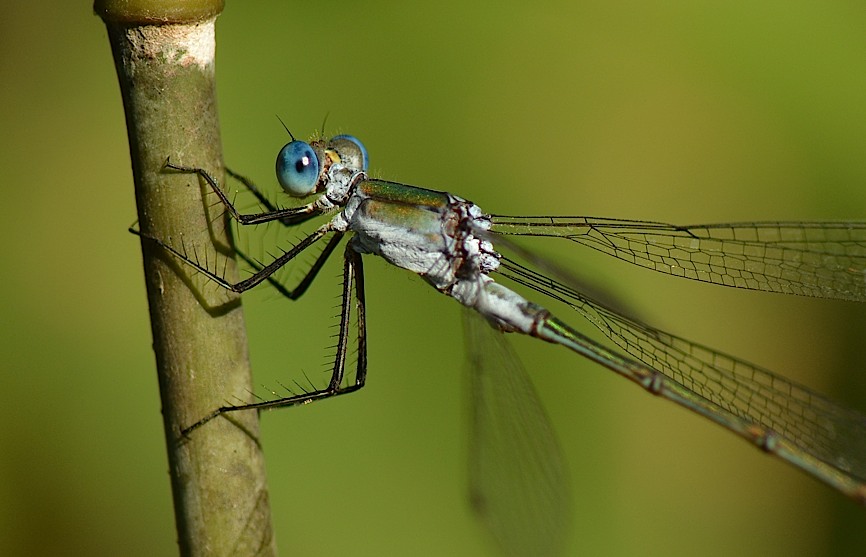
x: 677, y: 111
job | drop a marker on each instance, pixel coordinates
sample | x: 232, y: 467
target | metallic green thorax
x: 393, y: 192
x: 406, y: 226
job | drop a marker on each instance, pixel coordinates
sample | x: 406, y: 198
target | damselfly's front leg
x: 294, y: 215
x: 263, y: 272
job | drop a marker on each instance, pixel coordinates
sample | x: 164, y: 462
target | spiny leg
x: 352, y: 272
x: 264, y: 272
x: 309, y: 277
x: 353, y: 277
x: 361, y: 369
x: 303, y: 285
x: 293, y: 215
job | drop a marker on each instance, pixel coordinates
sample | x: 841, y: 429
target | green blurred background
x: 679, y: 111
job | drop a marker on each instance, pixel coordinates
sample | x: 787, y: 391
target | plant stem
x: 166, y: 74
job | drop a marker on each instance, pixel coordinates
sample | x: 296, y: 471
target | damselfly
x: 459, y: 250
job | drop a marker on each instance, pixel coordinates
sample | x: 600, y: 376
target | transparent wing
x: 801, y: 426
x: 517, y: 475
x: 821, y: 259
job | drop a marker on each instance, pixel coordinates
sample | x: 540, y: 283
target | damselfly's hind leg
x: 353, y: 279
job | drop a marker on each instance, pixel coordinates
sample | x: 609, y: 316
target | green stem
x: 166, y: 74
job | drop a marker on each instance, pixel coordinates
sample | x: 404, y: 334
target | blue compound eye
x: 352, y: 152
x: 298, y: 168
